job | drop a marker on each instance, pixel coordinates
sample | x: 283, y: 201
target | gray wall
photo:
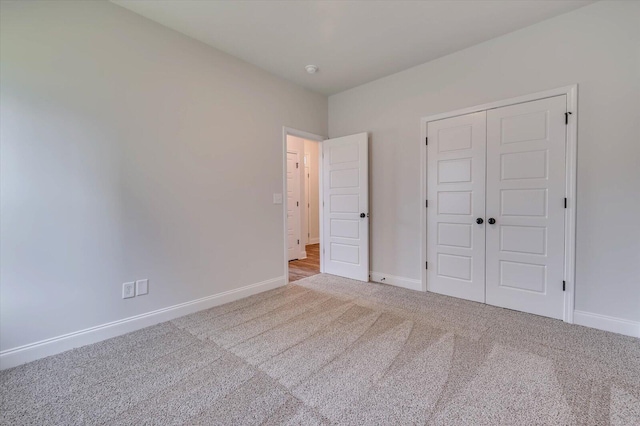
x: 598, y: 47
x: 131, y: 151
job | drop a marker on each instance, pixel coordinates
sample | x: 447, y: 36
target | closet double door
x: 495, y: 216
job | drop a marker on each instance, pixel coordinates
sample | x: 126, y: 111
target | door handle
x: 479, y: 221
x: 491, y: 221
x: 363, y: 215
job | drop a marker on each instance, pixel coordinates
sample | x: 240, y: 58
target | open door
x: 293, y: 205
x: 345, y: 196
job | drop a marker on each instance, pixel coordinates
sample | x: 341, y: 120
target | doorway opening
x: 342, y: 200
x: 302, y: 218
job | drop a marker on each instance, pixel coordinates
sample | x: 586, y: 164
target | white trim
x: 312, y: 137
x: 566, y: 90
x: 606, y: 323
x: 571, y: 169
x: 314, y: 240
x: 306, y: 178
x: 570, y: 212
x: 423, y: 207
x: 403, y: 282
x: 303, y: 255
x: 55, y: 345
x: 298, y: 249
x: 321, y: 204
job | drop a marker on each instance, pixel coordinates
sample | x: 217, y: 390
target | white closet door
x: 345, y: 194
x: 293, y: 205
x: 525, y: 197
x: 456, y: 192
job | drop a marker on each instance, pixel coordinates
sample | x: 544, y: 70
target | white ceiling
x: 352, y: 42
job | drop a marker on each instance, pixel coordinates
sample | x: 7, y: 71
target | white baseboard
x: 403, y: 282
x: 606, y: 323
x: 303, y: 255
x: 33, y: 351
x: 314, y: 240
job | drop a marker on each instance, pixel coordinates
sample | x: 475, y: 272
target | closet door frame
x: 571, y: 93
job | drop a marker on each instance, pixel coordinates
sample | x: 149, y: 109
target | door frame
x: 288, y: 131
x: 300, y: 254
x: 571, y: 93
x: 307, y: 202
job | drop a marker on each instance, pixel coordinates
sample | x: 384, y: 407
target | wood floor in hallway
x: 303, y: 268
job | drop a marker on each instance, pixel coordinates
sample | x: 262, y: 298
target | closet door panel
x: 456, y: 192
x: 526, y: 146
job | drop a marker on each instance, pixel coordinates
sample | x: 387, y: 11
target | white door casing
x: 293, y: 205
x: 345, y: 186
x: 288, y: 132
x: 526, y: 146
x: 307, y: 200
x: 456, y: 152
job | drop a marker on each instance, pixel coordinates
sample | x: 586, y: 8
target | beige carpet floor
x: 329, y: 350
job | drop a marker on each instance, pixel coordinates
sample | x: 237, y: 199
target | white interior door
x: 307, y: 201
x: 346, y: 205
x: 456, y: 152
x: 293, y: 205
x: 526, y: 146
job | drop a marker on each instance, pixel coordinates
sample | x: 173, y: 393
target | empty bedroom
x: 319, y: 212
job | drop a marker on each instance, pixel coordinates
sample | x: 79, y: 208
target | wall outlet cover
x: 128, y: 290
x: 142, y: 287
x: 277, y: 198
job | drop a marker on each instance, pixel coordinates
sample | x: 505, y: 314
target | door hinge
x: 565, y: 202
x: 566, y: 117
x: 297, y: 204
x: 296, y: 165
x: 564, y: 285
x: 426, y: 141
x: 298, y: 242
x: 426, y: 265
x: 426, y: 203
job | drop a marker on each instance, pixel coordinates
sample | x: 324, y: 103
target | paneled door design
x: 293, y: 205
x: 346, y: 206
x: 525, y: 206
x: 455, y: 216
x: 496, y: 187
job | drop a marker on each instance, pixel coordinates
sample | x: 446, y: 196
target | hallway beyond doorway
x: 303, y: 268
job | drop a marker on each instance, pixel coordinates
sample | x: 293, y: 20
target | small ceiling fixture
x: 311, y: 69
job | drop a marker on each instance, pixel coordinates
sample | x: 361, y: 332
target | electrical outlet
x: 277, y: 198
x: 128, y: 290
x: 142, y: 287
